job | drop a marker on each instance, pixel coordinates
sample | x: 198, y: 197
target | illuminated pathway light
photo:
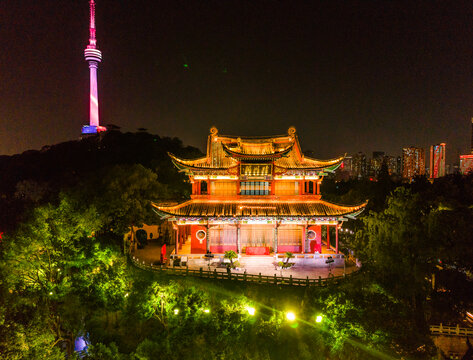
x: 290, y: 316
x: 251, y: 310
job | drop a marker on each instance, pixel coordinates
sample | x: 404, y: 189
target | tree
x: 55, y: 264
x: 101, y: 351
x: 230, y: 254
x: 122, y: 195
x: 395, y: 247
x: 286, y: 264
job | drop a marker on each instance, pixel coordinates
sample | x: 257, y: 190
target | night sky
x: 350, y: 76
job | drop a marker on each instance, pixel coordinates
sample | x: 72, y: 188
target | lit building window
x: 255, y: 188
x: 203, y: 187
x: 309, y: 187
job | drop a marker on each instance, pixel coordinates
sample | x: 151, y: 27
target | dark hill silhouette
x: 40, y: 175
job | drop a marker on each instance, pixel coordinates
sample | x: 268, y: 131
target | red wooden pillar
x: 177, y: 239
x: 328, y: 237
x: 336, y: 238
x: 304, y: 240
x: 238, y: 239
x: 238, y: 178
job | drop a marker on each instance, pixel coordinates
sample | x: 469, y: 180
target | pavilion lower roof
x: 258, y: 208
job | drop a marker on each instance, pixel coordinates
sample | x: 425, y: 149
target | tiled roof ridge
x: 265, y: 201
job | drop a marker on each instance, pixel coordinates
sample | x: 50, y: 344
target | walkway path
x: 252, y: 264
x: 151, y: 253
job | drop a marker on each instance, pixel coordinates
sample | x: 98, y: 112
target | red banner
x: 257, y: 250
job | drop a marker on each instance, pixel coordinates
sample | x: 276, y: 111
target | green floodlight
x: 176, y: 311
x: 251, y: 310
x: 290, y: 316
x: 318, y: 319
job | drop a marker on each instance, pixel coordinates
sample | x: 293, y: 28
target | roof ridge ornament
x: 213, y: 131
x: 291, y: 131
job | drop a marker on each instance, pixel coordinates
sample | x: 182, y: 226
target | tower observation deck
x: 93, y: 56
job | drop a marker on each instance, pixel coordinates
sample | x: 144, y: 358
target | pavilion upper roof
x: 259, y: 207
x: 224, y: 151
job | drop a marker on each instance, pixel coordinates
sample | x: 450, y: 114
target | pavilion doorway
x: 257, y: 239
x: 290, y: 238
x: 222, y: 238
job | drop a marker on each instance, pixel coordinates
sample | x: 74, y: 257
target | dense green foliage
x: 37, y: 177
x: 63, y: 272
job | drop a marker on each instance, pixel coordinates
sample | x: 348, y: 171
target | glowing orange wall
x: 317, y: 243
x: 198, y: 247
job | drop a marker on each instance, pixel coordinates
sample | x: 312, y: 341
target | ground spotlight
x: 290, y: 316
x: 176, y: 311
x: 318, y: 319
x: 251, y: 310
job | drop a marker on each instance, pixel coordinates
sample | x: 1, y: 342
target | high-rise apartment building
x: 437, y: 161
x: 347, y: 164
x: 413, y: 162
x: 466, y: 164
x: 391, y: 162
x: 466, y: 161
x: 359, y: 169
x: 376, y: 163
x: 399, y: 165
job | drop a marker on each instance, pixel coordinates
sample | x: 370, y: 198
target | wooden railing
x: 450, y: 330
x: 253, y: 278
x: 277, y: 256
x: 311, y: 256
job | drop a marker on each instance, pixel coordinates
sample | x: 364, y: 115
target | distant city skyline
x: 349, y: 76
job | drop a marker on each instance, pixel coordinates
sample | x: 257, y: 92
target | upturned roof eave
x: 180, y: 164
x: 328, y: 165
x: 353, y: 211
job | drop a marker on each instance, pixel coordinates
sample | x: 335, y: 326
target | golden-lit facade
x: 257, y: 195
x: 413, y: 162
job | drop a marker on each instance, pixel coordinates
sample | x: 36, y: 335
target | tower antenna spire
x: 93, y: 56
x: 92, y: 40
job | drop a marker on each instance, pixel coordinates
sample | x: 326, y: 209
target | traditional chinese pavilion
x: 255, y: 195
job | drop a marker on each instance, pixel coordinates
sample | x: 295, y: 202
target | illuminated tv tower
x: 93, y: 56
